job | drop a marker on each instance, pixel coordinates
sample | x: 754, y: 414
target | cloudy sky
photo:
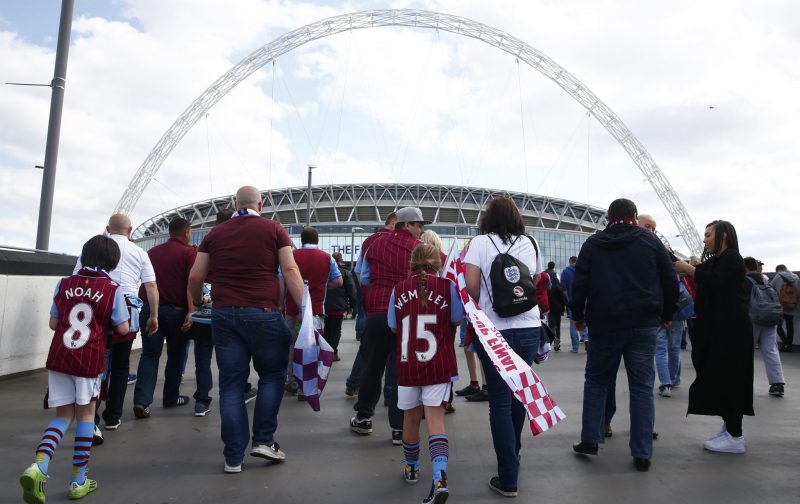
x: 711, y: 89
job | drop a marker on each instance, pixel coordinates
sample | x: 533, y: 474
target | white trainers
x: 665, y: 390
x: 725, y: 443
x: 233, y: 469
x: 721, y: 432
x: 97, y: 436
x: 271, y: 452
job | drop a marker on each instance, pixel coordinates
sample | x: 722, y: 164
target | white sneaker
x: 233, y: 469
x: 721, y: 432
x: 725, y: 443
x: 271, y: 452
x: 665, y: 390
x: 97, y: 436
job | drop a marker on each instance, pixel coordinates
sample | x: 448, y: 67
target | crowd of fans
x: 626, y: 289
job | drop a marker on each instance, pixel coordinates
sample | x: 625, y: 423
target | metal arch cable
x: 478, y: 158
x: 159, y: 193
x: 559, y: 162
x: 415, y: 111
x: 297, y: 112
x: 271, y: 119
x: 344, y: 88
x: 522, y: 121
x: 588, y: 153
x: 459, y: 148
x: 208, y: 154
x: 377, y: 131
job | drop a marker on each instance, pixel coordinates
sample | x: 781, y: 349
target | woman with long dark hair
x: 502, y: 230
x: 722, y: 344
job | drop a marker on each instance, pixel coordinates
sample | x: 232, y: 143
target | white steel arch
x: 415, y: 19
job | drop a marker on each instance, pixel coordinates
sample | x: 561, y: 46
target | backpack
x: 513, y: 291
x: 765, y: 309
x: 788, y: 294
x: 556, y: 297
x: 685, y: 305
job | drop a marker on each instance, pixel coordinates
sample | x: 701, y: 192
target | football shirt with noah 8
x: 87, y: 306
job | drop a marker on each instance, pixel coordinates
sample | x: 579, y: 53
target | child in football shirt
x: 85, y: 308
x: 424, y: 311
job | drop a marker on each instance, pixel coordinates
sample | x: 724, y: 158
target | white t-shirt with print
x: 134, y: 266
x: 481, y: 253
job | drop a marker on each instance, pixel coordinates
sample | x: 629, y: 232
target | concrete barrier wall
x: 24, y: 311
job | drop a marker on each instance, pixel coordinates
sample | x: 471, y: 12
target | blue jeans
x: 506, y: 414
x: 354, y: 380
x: 611, y: 401
x: 170, y: 319
x: 637, y: 347
x: 574, y: 335
x: 668, y: 353
x: 241, y: 334
x: 361, y: 321
x: 389, y: 378
x: 203, y: 349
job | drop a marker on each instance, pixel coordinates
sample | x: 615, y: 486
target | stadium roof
x: 369, y: 205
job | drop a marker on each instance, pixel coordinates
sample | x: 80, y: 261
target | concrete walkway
x: 174, y: 457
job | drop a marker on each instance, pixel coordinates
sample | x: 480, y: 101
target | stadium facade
x: 346, y: 214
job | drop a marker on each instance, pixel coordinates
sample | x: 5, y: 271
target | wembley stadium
x: 345, y: 215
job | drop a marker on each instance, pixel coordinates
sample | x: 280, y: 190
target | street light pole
x: 308, y: 197
x: 353, y: 246
x: 54, y: 127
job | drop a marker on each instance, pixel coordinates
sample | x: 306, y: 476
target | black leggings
x: 787, y: 337
x: 733, y: 425
x: 333, y: 330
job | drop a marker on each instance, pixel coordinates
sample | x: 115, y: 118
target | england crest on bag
x: 512, y: 288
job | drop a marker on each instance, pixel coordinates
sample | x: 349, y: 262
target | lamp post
x: 308, y: 196
x: 54, y: 126
x: 353, y: 246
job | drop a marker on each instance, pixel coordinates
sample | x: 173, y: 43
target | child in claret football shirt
x: 424, y: 311
x: 85, y: 308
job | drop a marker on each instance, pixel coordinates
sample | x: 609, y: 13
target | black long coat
x: 722, y: 347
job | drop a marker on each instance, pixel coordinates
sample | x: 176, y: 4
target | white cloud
x: 417, y: 106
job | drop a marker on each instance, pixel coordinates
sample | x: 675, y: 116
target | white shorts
x: 64, y: 389
x: 428, y: 395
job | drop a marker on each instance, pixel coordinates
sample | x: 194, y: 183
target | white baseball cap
x: 410, y: 214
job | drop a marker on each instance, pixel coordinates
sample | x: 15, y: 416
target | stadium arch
x: 416, y: 19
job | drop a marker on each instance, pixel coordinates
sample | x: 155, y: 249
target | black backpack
x: 555, y: 295
x: 513, y: 291
x: 765, y: 309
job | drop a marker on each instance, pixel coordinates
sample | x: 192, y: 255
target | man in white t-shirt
x: 503, y: 231
x: 134, y: 269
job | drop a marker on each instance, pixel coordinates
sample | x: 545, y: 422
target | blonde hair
x: 423, y: 258
x: 429, y: 237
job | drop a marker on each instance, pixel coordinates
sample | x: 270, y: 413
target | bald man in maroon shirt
x: 385, y: 264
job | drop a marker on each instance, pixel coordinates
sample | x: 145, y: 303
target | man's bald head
x: 119, y: 224
x: 248, y: 197
x: 647, y: 222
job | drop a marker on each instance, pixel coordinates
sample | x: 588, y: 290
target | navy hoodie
x: 623, y: 279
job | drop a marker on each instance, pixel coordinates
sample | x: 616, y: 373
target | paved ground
x: 173, y: 457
